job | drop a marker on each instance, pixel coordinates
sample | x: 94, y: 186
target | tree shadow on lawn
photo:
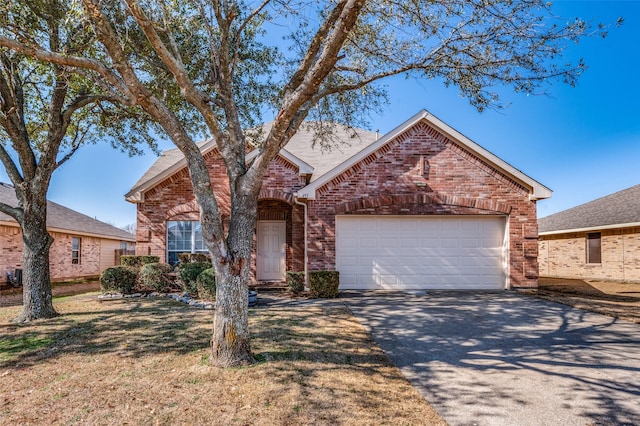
x: 318, y: 357
x: 130, y: 328
x: 327, y: 353
x: 582, y: 289
x: 492, y: 352
x: 137, y: 327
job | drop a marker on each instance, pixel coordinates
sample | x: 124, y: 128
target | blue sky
x: 581, y: 142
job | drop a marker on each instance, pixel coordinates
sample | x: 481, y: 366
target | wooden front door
x: 271, y: 259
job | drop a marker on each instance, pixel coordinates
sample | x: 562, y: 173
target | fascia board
x: 73, y: 232
x: 303, y: 168
x: 131, y: 239
x: 309, y: 191
x: 591, y: 228
x: 537, y: 191
x: 11, y: 223
x: 136, y: 194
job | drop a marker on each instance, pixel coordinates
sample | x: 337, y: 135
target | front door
x: 271, y: 259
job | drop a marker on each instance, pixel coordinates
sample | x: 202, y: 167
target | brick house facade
x: 420, y: 175
x: 96, y: 242
x: 598, y: 240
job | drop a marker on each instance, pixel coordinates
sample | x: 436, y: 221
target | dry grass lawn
x: 618, y: 300
x: 145, y: 362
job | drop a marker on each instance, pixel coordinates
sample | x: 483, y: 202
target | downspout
x: 306, y: 258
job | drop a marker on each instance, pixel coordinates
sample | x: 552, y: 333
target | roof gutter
x: 131, y: 239
x: 591, y: 228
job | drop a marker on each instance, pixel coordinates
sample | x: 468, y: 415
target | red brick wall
x: 10, y: 250
x: 420, y: 172
x: 59, y: 255
x: 173, y: 199
x: 565, y: 256
x: 423, y: 172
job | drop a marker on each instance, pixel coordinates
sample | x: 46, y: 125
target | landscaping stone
x: 179, y: 297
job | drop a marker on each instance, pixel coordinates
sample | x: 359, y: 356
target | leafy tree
x: 47, y: 111
x: 229, y: 64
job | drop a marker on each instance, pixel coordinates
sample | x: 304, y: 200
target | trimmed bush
x: 189, y: 272
x: 194, y: 257
x: 156, y: 276
x: 295, y: 281
x: 138, y: 261
x: 324, y: 284
x: 120, y: 279
x: 206, y: 285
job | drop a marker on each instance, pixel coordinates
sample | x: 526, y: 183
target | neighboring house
x: 82, y: 246
x: 422, y: 207
x: 599, y: 240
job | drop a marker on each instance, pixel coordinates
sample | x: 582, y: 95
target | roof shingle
x: 63, y: 218
x: 301, y: 145
x: 619, y: 208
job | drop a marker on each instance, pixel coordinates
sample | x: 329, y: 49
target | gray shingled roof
x: 613, y: 210
x: 300, y: 145
x: 60, y: 217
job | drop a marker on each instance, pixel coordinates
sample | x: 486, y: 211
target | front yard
x: 618, y: 300
x: 146, y: 362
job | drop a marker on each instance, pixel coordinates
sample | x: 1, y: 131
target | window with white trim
x: 76, y: 250
x: 184, y: 237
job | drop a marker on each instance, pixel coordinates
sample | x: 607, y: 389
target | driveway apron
x: 508, y: 359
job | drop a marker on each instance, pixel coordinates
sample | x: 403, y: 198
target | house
x: 422, y: 207
x: 598, y: 240
x: 82, y: 247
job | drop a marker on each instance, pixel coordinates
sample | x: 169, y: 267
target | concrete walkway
x: 508, y: 359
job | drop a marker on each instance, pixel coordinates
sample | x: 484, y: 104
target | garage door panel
x: 430, y: 252
x: 389, y: 242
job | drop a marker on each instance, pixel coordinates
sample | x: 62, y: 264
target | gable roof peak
x: 537, y: 191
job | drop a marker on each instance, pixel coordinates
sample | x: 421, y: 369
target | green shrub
x: 189, y: 272
x: 194, y: 257
x: 206, y: 284
x: 121, y: 279
x: 156, y: 276
x: 138, y: 261
x: 324, y: 284
x: 295, y: 281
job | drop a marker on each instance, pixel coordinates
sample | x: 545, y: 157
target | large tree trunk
x: 230, y: 341
x: 36, y: 293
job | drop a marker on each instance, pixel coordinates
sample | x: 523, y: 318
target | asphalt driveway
x: 508, y: 359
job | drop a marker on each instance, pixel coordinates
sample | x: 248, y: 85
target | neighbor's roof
x: 309, y: 157
x: 63, y: 219
x: 618, y: 210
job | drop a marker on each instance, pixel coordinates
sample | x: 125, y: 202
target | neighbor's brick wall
x: 423, y: 172
x: 59, y: 255
x: 564, y: 256
x: 10, y: 250
x: 173, y: 199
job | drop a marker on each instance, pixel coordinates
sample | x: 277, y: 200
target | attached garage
x: 421, y: 252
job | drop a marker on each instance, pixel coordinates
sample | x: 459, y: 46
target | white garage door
x: 421, y: 252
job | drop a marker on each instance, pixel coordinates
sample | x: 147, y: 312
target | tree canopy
x: 47, y: 111
x: 225, y: 66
